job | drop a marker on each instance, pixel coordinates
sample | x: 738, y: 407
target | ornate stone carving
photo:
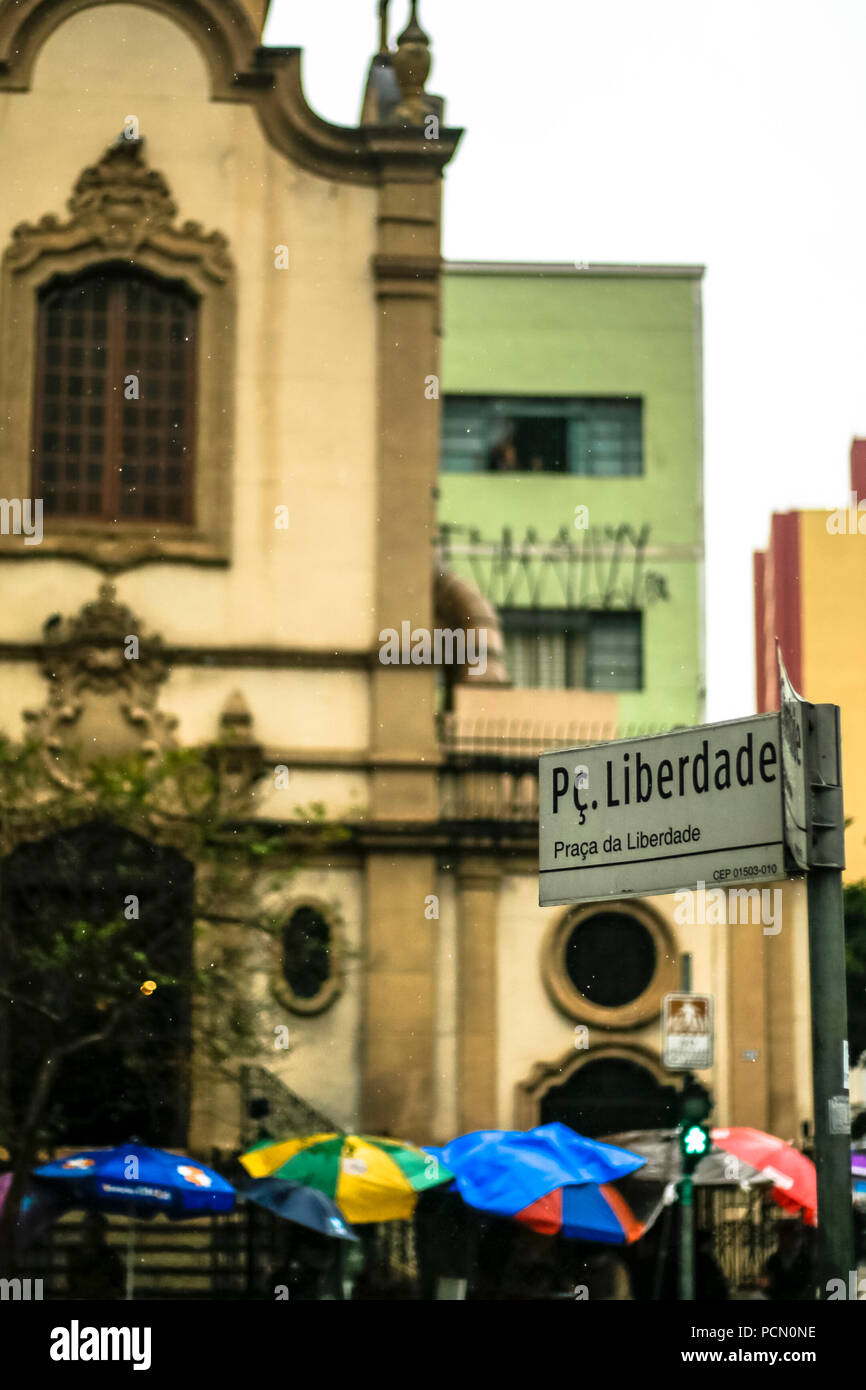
x: 412, y: 63
x: 236, y: 757
x: 120, y: 207
x: 105, y: 673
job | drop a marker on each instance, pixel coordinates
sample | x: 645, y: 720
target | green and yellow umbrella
x: 370, y: 1179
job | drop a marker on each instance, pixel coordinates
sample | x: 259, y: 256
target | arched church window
x: 608, y: 1094
x: 115, y: 398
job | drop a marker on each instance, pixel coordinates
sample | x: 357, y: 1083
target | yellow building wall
x: 833, y: 625
x: 305, y: 388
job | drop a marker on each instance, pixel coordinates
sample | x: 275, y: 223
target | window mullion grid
x: 113, y: 402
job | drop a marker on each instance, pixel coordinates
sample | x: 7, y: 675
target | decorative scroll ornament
x: 121, y: 206
x: 104, y: 676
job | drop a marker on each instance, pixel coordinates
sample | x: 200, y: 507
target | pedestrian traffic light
x: 695, y: 1143
x: 695, y: 1102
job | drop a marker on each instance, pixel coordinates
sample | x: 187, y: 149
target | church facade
x: 220, y: 332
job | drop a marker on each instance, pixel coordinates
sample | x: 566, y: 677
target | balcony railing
x: 491, y: 765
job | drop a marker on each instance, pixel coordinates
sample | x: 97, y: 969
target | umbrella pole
x: 662, y: 1253
x: 130, y: 1258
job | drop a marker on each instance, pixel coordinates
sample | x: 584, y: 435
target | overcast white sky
x: 728, y: 133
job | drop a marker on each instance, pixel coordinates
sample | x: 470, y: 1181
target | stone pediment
x: 120, y: 207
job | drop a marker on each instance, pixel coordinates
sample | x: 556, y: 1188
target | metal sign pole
x: 829, y: 1041
x: 829, y: 1001
x: 811, y: 748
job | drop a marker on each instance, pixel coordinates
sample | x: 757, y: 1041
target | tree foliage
x: 70, y: 980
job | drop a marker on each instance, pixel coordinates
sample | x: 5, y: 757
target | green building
x: 571, y: 475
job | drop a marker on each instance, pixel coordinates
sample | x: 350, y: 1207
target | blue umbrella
x: 505, y: 1171
x: 293, y: 1201
x: 137, y: 1180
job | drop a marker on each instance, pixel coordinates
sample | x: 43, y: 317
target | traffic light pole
x: 686, y: 1184
x: 811, y: 748
x: 687, y: 1239
x: 829, y: 1034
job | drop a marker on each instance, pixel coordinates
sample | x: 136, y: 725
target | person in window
x: 503, y: 457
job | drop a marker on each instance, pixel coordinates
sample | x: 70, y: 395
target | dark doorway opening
x: 135, y: 1083
x: 610, y: 1095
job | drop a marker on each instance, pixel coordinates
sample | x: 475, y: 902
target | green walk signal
x: 695, y: 1143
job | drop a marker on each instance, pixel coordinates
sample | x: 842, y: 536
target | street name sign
x: 687, y: 1032
x: 663, y: 813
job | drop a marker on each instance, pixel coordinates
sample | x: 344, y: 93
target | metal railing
x: 491, y: 765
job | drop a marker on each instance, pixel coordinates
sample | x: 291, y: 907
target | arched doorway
x: 135, y: 1083
x: 609, y: 1094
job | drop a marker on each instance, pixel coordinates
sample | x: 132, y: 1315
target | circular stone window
x: 309, y: 977
x: 610, y: 958
x: 610, y: 965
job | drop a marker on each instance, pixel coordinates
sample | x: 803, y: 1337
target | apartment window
x: 615, y: 652
x: 115, y: 398
x: 591, y: 437
x: 566, y: 650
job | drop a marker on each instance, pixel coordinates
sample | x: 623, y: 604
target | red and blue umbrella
x: 592, y: 1212
x: 549, y: 1178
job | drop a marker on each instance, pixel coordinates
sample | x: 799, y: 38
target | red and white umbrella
x: 795, y: 1185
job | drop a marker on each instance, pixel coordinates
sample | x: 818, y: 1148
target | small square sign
x: 687, y: 1032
